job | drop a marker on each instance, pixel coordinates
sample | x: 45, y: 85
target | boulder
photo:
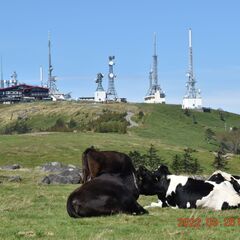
x: 69, y: 176
x: 56, y: 167
x: 10, y: 167
x: 10, y: 179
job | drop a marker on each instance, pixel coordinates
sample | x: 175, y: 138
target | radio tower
x: 192, y: 98
x: 155, y: 93
x: 111, y: 92
x: 2, y: 81
x: 51, y: 79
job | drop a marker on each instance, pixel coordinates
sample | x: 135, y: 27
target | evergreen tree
x: 209, y: 135
x: 220, y: 162
x: 177, y: 164
x: 153, y: 160
x: 137, y: 158
x: 189, y: 163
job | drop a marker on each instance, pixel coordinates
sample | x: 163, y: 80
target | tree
x: 189, y: 163
x: 220, y: 161
x: 153, y: 160
x: 209, y: 135
x: 177, y: 164
x: 137, y: 158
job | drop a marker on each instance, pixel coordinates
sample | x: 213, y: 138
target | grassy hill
x: 30, y: 210
x: 167, y: 127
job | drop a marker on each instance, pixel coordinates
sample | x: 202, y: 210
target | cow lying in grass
x: 220, y: 176
x: 103, y: 195
x: 185, y: 192
x: 95, y: 163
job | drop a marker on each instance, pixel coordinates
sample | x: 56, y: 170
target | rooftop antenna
x: 111, y: 92
x: 41, y: 76
x: 99, y: 82
x: 2, y: 81
x: 14, y: 80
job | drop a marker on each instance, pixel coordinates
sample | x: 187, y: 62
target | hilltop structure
x: 100, y: 94
x: 192, y: 98
x: 155, y: 93
x: 51, y: 83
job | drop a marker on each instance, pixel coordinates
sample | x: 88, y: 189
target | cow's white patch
x: 174, y: 181
x: 223, y: 192
x: 188, y: 204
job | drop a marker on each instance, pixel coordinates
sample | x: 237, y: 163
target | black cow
x: 185, y: 192
x: 103, y: 195
x: 95, y: 163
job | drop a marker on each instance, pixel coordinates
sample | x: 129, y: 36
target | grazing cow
x: 220, y: 176
x: 185, y: 192
x: 95, y: 163
x: 104, y: 195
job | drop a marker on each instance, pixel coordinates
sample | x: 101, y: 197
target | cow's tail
x: 85, y: 166
x: 71, y: 208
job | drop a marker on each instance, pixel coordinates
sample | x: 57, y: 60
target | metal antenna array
x: 191, y: 92
x: 2, y: 81
x: 99, y: 82
x: 111, y: 92
x: 153, y: 74
x: 51, y: 79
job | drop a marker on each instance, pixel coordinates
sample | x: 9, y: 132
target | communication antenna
x: 51, y: 79
x: 2, y: 81
x: 111, y: 92
x: 99, y: 82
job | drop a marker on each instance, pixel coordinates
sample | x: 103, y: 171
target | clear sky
x: 85, y: 33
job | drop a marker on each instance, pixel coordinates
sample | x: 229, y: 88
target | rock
x: 11, y: 167
x: 56, y: 167
x: 15, y: 179
x: 69, y: 176
x: 10, y: 179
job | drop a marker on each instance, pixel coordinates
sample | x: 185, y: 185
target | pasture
x: 29, y: 210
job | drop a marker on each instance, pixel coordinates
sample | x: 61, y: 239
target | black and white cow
x: 185, y: 192
x: 220, y: 176
x: 103, y: 195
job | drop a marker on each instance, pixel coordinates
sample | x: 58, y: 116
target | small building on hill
x: 23, y: 92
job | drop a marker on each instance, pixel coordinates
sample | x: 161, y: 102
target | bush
x: 109, y: 122
x: 19, y: 127
x: 59, y: 126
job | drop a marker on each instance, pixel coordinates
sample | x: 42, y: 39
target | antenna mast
x: 192, y: 98
x: 191, y: 89
x: 51, y: 79
x: 111, y: 92
x: 2, y: 81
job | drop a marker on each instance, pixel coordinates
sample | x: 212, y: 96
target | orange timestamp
x: 208, y: 221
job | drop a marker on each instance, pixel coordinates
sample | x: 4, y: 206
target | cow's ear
x: 164, y: 170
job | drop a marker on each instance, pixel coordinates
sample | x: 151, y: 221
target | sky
x: 85, y: 33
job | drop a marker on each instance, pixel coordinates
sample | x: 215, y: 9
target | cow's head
x: 161, y: 174
x: 147, y: 182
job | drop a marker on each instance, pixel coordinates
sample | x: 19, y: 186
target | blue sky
x: 85, y: 33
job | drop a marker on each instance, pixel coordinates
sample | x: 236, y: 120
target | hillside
x: 167, y: 127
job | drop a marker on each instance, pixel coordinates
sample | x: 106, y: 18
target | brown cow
x: 95, y: 163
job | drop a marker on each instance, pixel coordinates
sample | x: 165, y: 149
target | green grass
x: 29, y: 210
